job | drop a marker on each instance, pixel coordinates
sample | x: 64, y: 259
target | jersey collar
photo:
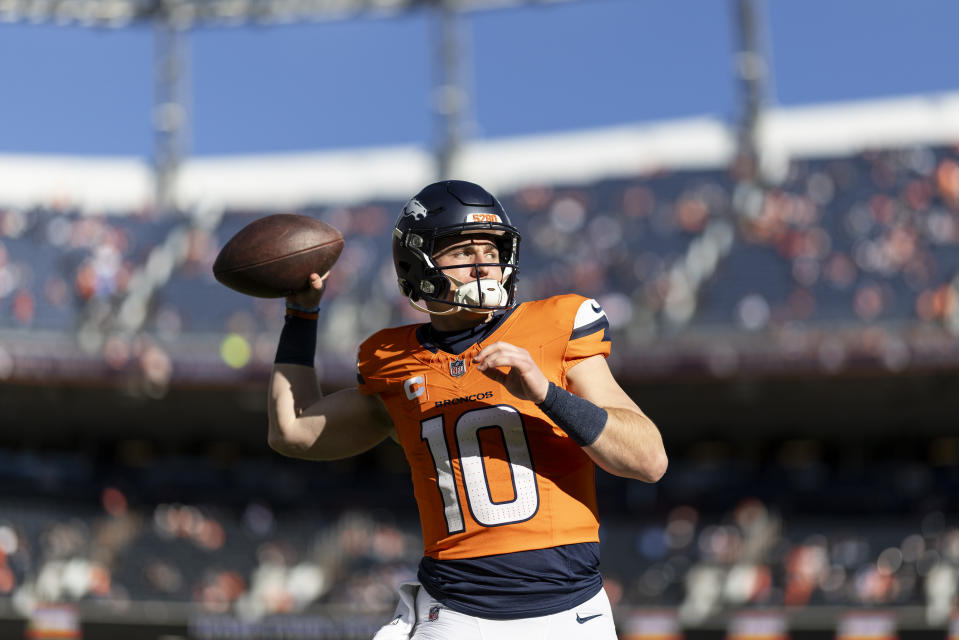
x: 456, y: 342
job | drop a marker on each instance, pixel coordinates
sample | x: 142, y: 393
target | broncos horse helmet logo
x: 414, y: 208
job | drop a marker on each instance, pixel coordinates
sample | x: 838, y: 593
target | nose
x: 479, y: 270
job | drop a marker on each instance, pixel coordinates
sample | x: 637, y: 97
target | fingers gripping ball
x: 274, y: 256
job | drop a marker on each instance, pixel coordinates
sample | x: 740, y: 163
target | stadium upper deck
x: 841, y: 259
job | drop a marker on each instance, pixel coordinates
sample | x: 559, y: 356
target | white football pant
x: 592, y: 620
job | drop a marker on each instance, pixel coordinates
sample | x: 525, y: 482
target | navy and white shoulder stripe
x: 590, y: 318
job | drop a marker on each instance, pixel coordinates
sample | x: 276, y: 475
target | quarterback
x: 503, y: 410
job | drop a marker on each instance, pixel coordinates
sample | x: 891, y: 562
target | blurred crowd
x: 863, y: 242
x: 265, y: 536
x: 868, y: 243
x: 756, y: 558
x: 54, y: 262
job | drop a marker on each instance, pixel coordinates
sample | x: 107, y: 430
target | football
x: 274, y: 256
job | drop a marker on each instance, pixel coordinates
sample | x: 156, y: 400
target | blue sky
x: 533, y: 70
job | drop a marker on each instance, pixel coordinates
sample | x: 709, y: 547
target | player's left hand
x: 524, y: 378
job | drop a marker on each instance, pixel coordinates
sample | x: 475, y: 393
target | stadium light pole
x: 751, y: 72
x: 449, y: 96
x: 169, y: 111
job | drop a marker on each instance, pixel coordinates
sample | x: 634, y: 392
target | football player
x: 502, y: 410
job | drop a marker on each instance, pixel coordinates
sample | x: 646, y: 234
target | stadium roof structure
x: 291, y: 180
x: 189, y: 13
x: 174, y: 18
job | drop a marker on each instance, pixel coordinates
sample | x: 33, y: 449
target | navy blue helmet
x: 441, y: 210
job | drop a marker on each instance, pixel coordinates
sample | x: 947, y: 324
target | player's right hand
x: 310, y: 298
x: 524, y: 379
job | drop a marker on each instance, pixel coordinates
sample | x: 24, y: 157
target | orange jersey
x: 491, y: 473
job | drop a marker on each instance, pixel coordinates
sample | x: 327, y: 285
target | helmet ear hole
x: 441, y: 285
x: 405, y: 287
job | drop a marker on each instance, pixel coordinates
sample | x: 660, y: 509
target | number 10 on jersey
x: 476, y: 481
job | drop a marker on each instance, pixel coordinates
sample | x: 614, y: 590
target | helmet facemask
x: 476, y: 295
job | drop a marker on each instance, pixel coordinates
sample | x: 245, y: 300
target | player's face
x: 470, y: 253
